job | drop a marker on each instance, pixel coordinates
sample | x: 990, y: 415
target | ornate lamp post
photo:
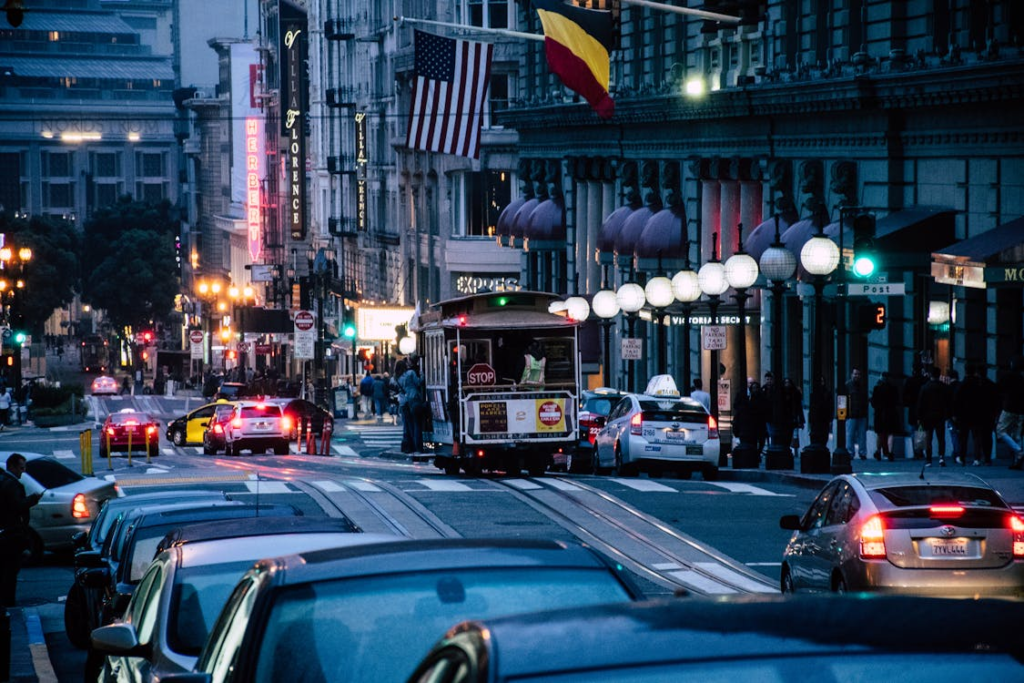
x: 778, y: 265
x: 820, y: 257
x: 13, y: 261
x: 712, y: 281
x: 658, y: 293
x: 741, y: 273
x: 606, y: 307
x: 577, y: 308
x: 686, y: 289
x: 321, y: 270
x: 631, y: 299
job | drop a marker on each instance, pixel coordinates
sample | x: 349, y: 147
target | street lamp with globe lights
x: 778, y: 265
x: 686, y: 289
x: 741, y: 274
x: 631, y: 298
x: 820, y: 258
x: 712, y: 281
x: 577, y: 308
x: 658, y: 293
x: 606, y: 307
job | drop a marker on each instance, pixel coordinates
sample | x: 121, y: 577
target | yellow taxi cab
x: 188, y: 429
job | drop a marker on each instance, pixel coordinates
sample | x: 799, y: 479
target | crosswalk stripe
x: 523, y: 484
x: 645, y: 485
x: 343, y: 450
x: 735, y: 578
x: 561, y: 485
x: 167, y: 451
x: 328, y: 485
x: 64, y: 455
x: 364, y: 486
x: 443, y: 485
x: 701, y: 582
x: 736, y: 487
x: 268, y: 487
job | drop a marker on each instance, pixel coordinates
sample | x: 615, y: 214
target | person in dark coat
x: 14, y: 526
x: 792, y: 412
x: 975, y: 409
x: 819, y: 413
x: 885, y: 399
x: 380, y: 394
x: 857, y: 414
x: 911, y: 389
x: 1010, y: 428
x: 932, y: 411
x: 952, y: 386
x: 746, y: 419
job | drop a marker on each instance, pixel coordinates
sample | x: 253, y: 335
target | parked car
x: 914, y: 640
x: 257, y: 426
x: 129, y: 430
x: 658, y: 431
x: 937, y: 534
x: 69, y: 503
x: 595, y: 404
x: 182, y: 592
x: 188, y: 429
x: 213, y: 437
x: 368, y: 613
x: 80, y: 604
x: 104, y: 385
x: 303, y: 413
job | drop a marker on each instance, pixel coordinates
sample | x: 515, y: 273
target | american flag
x: 449, y: 94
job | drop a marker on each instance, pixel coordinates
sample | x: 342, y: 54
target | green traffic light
x: 502, y: 300
x: 20, y: 337
x: 349, y: 331
x: 863, y: 266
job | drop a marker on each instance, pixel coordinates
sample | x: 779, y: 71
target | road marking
x: 156, y: 470
x: 328, y: 485
x: 37, y: 647
x: 736, y: 487
x: 523, y: 484
x: 735, y: 578
x: 167, y: 451
x: 561, y: 485
x: 645, y: 485
x: 442, y: 485
x: 64, y: 455
x: 344, y: 451
x: 364, y: 486
x: 263, y: 486
x: 665, y: 566
x: 764, y: 564
x: 701, y: 583
x: 198, y: 450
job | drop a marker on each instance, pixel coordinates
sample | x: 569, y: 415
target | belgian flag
x: 577, y: 42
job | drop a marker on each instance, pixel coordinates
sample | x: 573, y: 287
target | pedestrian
x: 380, y: 395
x: 885, y: 399
x: 933, y: 409
x: 974, y: 409
x: 819, y: 413
x: 412, y: 399
x: 911, y: 389
x: 5, y: 407
x: 747, y: 425
x: 857, y: 415
x: 15, y: 532
x: 952, y: 384
x: 762, y: 412
x: 126, y: 385
x: 793, y: 413
x: 366, y: 392
x: 1010, y: 428
x: 697, y: 393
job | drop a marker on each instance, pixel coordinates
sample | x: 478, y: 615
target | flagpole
x: 714, y: 16
x: 478, y: 29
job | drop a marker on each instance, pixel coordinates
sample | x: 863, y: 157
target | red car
x: 130, y: 430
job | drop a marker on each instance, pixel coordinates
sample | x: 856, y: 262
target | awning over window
x: 545, y: 228
x: 663, y: 238
x: 522, y: 216
x: 994, y: 258
x: 629, y: 236
x: 505, y: 219
x: 611, y: 227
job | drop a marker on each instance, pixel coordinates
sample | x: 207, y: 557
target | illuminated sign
x: 361, y: 139
x: 471, y: 284
x: 378, y: 323
x: 361, y: 205
x: 293, y: 80
x: 253, y: 200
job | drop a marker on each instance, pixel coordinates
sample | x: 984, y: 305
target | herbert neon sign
x: 253, y: 216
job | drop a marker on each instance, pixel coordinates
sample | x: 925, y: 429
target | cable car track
x: 647, y: 546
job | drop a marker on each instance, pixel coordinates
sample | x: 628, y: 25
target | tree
x: 129, y: 262
x: 51, y: 277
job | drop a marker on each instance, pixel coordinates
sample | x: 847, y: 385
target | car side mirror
x: 600, y: 420
x: 791, y: 522
x: 80, y: 540
x: 96, y: 577
x: 88, y: 559
x: 119, y: 639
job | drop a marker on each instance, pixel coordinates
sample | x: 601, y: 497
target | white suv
x: 257, y: 426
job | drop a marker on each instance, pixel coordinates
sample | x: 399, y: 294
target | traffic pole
x: 110, y: 463
x: 129, y: 448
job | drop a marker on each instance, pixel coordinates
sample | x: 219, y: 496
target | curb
x: 37, y: 647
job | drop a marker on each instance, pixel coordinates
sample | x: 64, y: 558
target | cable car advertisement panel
x: 540, y: 415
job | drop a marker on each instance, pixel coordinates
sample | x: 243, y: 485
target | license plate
x: 695, y: 450
x: 262, y: 425
x: 674, y: 436
x: 953, y: 547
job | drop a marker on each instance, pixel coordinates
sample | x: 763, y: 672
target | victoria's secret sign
x: 293, y: 82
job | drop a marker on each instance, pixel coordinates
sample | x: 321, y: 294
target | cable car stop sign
x: 481, y: 374
x: 304, y: 320
x: 196, y: 336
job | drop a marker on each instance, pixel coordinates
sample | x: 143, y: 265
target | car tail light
x: 79, y: 508
x: 150, y: 430
x: 712, y: 427
x: 872, y: 538
x: 286, y: 424
x: 1016, y: 525
x: 946, y: 511
x: 217, y: 429
x: 636, y: 424
x: 110, y: 431
x: 237, y: 423
x: 261, y: 406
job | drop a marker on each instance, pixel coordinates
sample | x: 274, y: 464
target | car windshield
x: 671, y: 411
x: 198, y: 596
x: 914, y: 496
x: 601, y: 405
x: 260, y: 411
x: 130, y: 418
x: 840, y: 667
x: 51, y: 474
x: 377, y: 629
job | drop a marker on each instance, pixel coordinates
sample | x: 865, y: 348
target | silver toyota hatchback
x: 944, y: 535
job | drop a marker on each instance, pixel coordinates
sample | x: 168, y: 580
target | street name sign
x: 876, y: 289
x: 712, y: 337
x: 305, y: 335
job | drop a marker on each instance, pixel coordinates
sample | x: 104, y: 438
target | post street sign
x: 876, y: 289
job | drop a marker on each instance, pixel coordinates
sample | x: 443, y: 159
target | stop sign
x: 304, y: 320
x: 479, y: 374
x: 196, y: 336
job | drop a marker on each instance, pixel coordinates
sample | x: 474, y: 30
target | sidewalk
x: 30, y: 661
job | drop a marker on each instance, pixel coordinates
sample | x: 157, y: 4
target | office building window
x: 488, y: 13
x: 481, y: 195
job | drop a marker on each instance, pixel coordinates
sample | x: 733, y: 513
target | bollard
x: 310, y: 443
x: 148, y: 461
x: 85, y: 447
x: 110, y: 463
x: 325, y: 439
x: 129, y: 448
